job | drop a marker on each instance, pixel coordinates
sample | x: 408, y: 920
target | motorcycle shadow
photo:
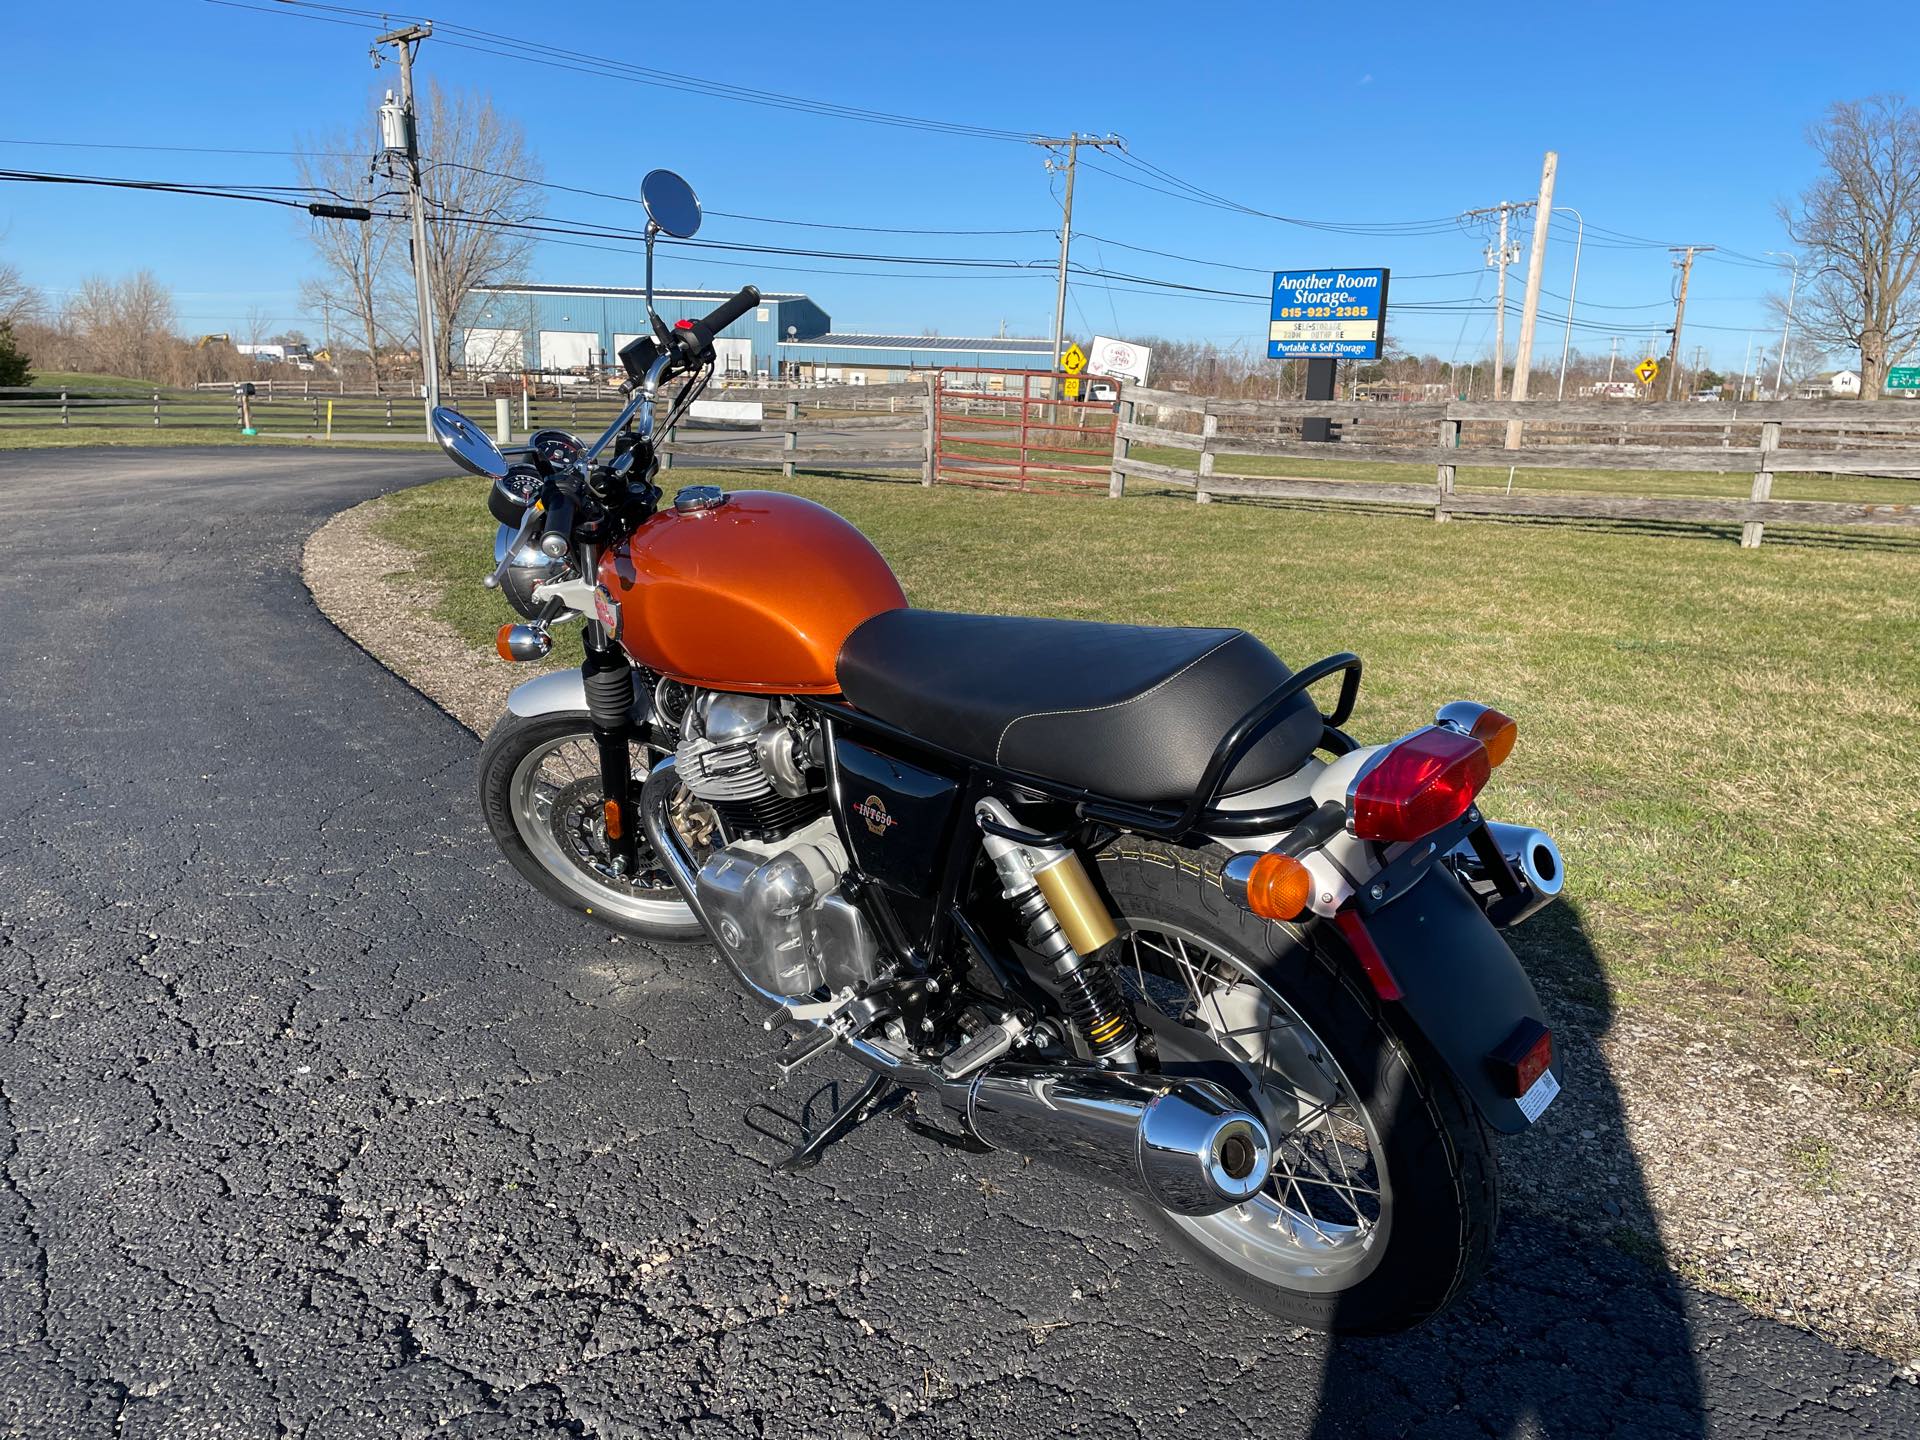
x: 1579, y: 1325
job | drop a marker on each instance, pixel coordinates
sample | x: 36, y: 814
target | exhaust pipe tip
x: 1200, y: 1152
x: 1535, y: 856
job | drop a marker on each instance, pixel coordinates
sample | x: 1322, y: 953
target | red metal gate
x: 1006, y: 430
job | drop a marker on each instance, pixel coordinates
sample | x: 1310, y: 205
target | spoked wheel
x: 1383, y: 1200
x: 540, y: 788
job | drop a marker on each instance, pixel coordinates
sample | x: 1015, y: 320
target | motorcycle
x: 1122, y: 899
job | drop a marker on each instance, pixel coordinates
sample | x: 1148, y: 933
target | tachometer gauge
x: 555, y: 449
x: 511, y: 494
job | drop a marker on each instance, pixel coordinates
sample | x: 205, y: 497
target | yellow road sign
x: 1070, y: 387
x: 1074, y: 360
x: 1647, y: 369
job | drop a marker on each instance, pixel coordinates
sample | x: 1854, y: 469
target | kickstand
x: 877, y: 1094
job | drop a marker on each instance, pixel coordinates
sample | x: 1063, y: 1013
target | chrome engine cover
x: 778, y: 910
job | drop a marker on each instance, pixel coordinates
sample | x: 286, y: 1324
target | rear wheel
x: 1384, y: 1195
x: 540, y: 790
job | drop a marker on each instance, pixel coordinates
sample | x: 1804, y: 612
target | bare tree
x: 477, y: 178
x: 1860, y: 226
x: 125, y: 327
x: 19, y: 301
x: 356, y: 259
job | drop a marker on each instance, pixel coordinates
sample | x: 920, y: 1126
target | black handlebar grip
x: 695, y: 337
x: 556, y: 535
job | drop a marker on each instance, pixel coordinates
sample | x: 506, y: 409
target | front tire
x: 540, y: 792
x: 1385, y: 1197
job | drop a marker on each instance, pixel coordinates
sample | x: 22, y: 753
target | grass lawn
x: 56, y: 437
x: 1722, y: 740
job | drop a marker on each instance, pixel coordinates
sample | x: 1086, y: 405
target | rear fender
x: 1460, y: 986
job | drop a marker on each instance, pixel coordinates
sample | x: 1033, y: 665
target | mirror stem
x: 659, y: 326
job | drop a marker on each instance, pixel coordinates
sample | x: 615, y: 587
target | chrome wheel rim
x: 1321, y: 1221
x: 555, y: 801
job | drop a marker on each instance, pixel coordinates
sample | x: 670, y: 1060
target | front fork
x: 607, y: 676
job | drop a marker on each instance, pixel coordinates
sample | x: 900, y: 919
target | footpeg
x: 806, y: 1049
x: 983, y: 1047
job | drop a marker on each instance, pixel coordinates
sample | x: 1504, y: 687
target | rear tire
x: 540, y: 792
x: 1433, y: 1195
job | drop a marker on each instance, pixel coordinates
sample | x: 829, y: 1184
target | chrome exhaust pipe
x: 1534, y: 858
x: 1187, y: 1146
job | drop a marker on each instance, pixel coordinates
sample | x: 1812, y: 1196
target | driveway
x: 315, y: 1121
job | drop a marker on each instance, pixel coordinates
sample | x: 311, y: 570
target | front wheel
x: 1384, y: 1194
x: 540, y: 791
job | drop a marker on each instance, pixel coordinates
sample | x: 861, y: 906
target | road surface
x: 315, y: 1121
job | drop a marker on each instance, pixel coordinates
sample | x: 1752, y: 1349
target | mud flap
x: 1464, y: 989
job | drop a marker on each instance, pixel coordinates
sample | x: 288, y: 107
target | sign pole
x: 1318, y: 430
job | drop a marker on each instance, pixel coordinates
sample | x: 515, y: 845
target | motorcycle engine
x: 773, y: 889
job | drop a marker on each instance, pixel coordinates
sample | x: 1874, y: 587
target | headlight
x: 530, y: 567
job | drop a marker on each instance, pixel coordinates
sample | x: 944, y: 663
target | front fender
x: 557, y: 692
x: 1460, y: 985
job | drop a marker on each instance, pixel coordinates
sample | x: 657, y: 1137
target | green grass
x: 90, y: 381
x: 1722, y: 740
x: 54, y: 437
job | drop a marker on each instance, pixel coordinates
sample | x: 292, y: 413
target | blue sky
x: 1675, y: 124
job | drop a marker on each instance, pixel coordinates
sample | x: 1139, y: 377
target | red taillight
x: 1425, y: 781
x: 1523, y: 1057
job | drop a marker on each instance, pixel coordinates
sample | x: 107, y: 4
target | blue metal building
x: 576, y: 328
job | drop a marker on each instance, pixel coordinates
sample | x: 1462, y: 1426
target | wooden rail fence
x: 1761, y: 439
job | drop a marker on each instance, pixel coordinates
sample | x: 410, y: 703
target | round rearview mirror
x: 466, y: 444
x: 671, y: 203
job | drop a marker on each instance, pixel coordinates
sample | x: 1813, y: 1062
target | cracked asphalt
x: 314, y: 1121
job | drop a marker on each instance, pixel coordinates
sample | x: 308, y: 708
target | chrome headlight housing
x: 531, y: 566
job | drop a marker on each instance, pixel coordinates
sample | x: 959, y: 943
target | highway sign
x: 1331, y: 313
x: 1647, y: 369
x: 1903, y: 377
x: 1074, y: 360
x: 1070, y: 387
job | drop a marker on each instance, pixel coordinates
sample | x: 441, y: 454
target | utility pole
x: 1073, y: 143
x: 1530, y: 306
x: 400, y: 130
x: 1613, y: 354
x: 1680, y: 306
x: 1780, y: 370
x: 1502, y: 256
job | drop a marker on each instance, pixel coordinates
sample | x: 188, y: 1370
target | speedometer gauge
x: 513, y: 492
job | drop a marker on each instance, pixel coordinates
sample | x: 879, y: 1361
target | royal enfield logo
x: 873, y: 810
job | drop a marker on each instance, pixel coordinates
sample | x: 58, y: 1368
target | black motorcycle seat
x: 1130, y: 712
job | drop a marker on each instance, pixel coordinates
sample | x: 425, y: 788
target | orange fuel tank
x: 756, y: 593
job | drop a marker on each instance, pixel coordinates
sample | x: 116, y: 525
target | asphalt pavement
x: 315, y: 1121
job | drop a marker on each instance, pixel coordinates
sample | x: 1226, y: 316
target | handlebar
x: 557, y: 533
x: 695, y: 337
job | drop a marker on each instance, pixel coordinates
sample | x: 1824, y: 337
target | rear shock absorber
x: 1070, y: 928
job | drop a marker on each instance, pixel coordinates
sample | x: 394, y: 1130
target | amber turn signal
x: 1497, y: 733
x: 610, y: 811
x: 1278, y: 887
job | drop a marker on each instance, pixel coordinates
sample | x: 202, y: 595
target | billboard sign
x: 1121, y: 359
x: 1327, y: 314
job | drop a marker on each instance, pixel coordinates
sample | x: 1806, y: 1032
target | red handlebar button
x: 683, y: 324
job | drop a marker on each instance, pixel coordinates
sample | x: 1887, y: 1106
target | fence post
x: 1209, y: 427
x: 1122, y: 447
x: 791, y: 441
x: 526, y: 411
x: 1762, y: 483
x: 932, y: 402
x: 156, y: 408
x: 503, y: 419
x: 1443, y: 474
x: 316, y: 412
x: 63, y: 408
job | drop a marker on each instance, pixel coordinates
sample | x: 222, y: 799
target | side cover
x: 1460, y: 984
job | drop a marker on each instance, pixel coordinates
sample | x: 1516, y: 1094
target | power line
x: 489, y: 42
